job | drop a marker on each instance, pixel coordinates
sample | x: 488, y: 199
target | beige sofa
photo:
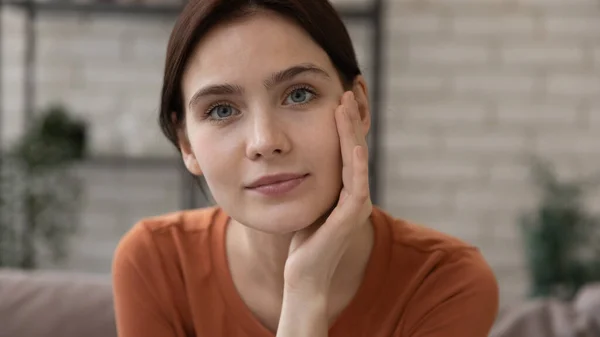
x: 51, y: 304
x: 553, y: 318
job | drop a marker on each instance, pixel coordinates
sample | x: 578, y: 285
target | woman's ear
x: 189, y: 159
x: 361, y: 94
x: 187, y: 154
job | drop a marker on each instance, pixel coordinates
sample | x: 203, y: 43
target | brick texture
x: 113, y: 200
x: 474, y: 89
x: 101, y: 68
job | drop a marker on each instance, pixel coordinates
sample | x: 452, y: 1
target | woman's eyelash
x: 301, y: 87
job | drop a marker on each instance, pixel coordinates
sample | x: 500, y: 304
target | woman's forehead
x: 261, y: 42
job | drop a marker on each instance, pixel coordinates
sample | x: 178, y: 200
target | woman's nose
x: 267, y: 139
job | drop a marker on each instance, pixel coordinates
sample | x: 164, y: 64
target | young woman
x: 264, y: 99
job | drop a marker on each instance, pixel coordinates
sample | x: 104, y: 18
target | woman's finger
x: 347, y: 215
x: 360, y: 181
x: 345, y: 132
x: 359, y: 134
x: 339, y: 223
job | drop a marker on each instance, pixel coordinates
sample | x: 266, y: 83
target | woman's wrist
x: 303, y: 314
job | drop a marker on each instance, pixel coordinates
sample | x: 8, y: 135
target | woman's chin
x: 282, y: 225
x: 281, y: 216
x: 284, y: 220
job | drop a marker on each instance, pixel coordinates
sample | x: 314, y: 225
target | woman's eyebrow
x: 274, y: 80
x: 291, y: 72
x: 215, y: 90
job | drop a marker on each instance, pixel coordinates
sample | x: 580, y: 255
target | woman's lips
x: 277, y: 185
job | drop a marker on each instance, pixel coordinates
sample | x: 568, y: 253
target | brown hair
x: 317, y: 17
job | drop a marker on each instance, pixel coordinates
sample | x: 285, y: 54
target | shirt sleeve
x: 139, y: 307
x: 459, y: 298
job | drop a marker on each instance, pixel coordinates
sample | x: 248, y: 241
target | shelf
x: 347, y: 12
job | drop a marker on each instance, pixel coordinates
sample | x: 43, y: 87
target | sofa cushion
x: 55, y: 304
x: 587, y: 305
x: 537, y: 318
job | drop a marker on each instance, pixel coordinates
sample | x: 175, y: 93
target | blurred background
x: 487, y: 127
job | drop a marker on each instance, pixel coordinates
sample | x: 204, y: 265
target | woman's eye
x: 221, y: 112
x: 299, y: 96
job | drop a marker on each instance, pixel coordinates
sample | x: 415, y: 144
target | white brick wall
x: 485, y: 143
x: 494, y: 84
x: 437, y: 169
x: 474, y: 87
x: 512, y: 25
x: 549, y: 114
x: 582, y: 22
x: 580, y: 85
x: 444, y: 54
x: 12, y: 81
x: 537, y: 55
x: 421, y: 24
x: 106, y: 69
x: 575, y: 142
x: 442, y: 114
x: 113, y: 200
x: 414, y: 84
x: 593, y: 113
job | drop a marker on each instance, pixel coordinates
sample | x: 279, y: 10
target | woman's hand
x: 315, y: 254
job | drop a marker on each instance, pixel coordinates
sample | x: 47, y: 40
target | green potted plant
x: 39, y: 193
x: 560, y: 235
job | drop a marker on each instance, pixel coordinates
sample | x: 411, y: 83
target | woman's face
x: 260, y: 97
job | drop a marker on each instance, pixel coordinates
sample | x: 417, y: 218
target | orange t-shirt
x: 171, y: 279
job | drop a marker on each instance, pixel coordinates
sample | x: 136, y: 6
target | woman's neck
x: 262, y: 253
x: 258, y: 258
x: 257, y: 262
